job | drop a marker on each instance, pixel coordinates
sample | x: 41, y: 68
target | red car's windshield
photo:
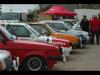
x: 9, y: 36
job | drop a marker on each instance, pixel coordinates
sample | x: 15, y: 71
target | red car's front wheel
x: 34, y: 63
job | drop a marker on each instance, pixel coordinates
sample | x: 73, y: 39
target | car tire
x: 34, y: 63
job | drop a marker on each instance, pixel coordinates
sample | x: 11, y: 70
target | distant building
x: 88, y: 12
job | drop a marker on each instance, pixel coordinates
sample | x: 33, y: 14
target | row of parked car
x: 38, y: 46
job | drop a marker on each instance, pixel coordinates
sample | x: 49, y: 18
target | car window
x: 40, y: 28
x: 34, y: 32
x: 10, y: 29
x: 74, y: 22
x: 68, y: 24
x: 18, y: 30
x: 57, y: 26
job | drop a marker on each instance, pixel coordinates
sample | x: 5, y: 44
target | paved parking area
x: 81, y: 59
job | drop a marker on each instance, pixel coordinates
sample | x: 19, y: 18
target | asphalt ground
x: 86, y: 59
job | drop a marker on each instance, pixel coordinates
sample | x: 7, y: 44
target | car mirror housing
x: 13, y: 37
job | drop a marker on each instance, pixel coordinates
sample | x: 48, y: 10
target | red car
x: 24, y: 31
x: 32, y: 56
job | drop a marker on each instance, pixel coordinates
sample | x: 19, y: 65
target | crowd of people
x: 92, y: 26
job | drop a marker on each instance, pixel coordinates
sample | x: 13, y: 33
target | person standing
x: 84, y: 24
x: 95, y: 26
x: 99, y: 16
x: 99, y: 19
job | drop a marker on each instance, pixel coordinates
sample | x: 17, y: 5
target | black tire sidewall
x: 43, y: 67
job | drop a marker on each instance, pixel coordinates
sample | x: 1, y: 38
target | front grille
x: 8, y: 62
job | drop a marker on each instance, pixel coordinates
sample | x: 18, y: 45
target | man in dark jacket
x: 95, y: 26
x: 84, y: 24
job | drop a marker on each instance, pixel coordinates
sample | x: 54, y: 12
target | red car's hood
x: 25, y: 44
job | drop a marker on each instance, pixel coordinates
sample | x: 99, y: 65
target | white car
x: 61, y: 26
x: 73, y: 24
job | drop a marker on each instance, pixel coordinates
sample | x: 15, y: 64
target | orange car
x: 45, y: 29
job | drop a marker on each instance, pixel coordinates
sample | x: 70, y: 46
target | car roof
x: 54, y: 21
x: 14, y: 23
x: 58, y: 20
x: 38, y: 23
x: 68, y: 20
x: 33, y: 23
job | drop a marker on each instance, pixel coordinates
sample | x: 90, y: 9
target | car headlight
x: 2, y: 65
